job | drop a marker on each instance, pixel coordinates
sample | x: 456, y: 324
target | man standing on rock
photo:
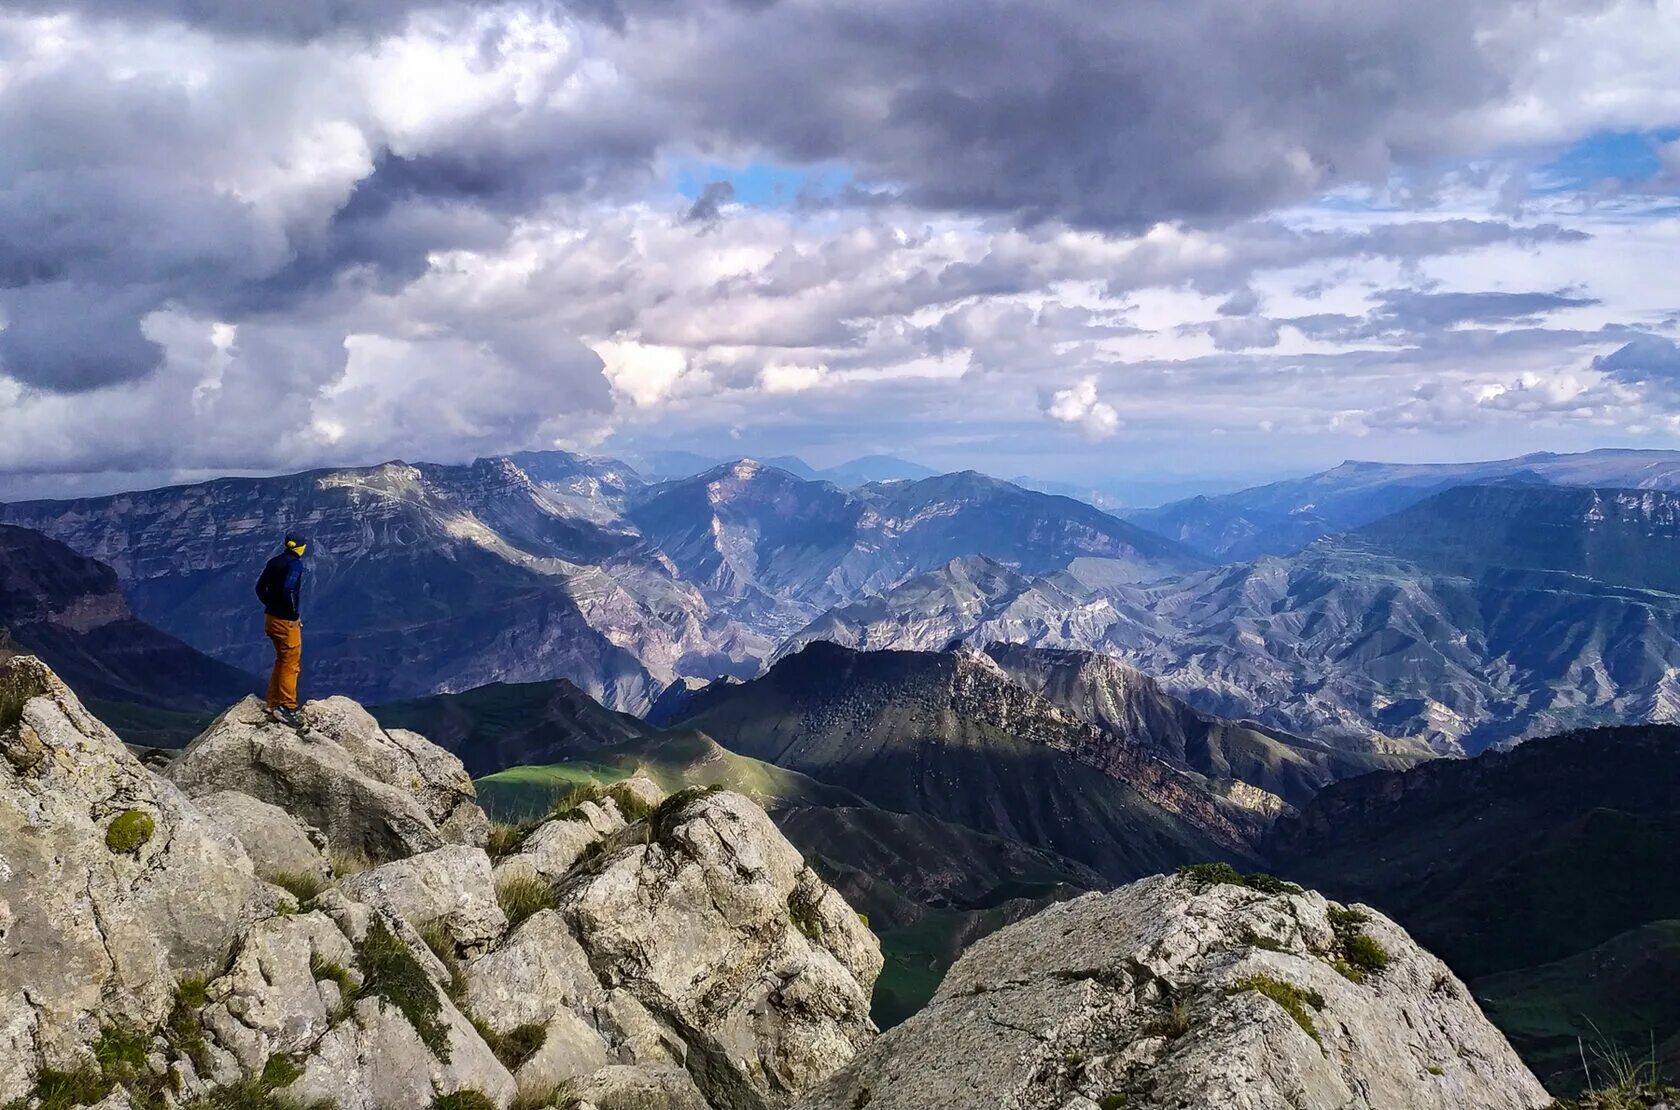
x: 280, y: 589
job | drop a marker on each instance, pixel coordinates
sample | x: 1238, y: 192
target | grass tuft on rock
x: 392, y: 974
x: 523, y: 896
x: 515, y: 1046
x: 1294, y: 1000
x: 301, y: 885
x: 506, y: 840
x: 130, y: 831
x: 442, y: 944
x: 467, y: 1099
x: 1357, y: 955
x: 805, y: 918
x: 280, y: 1071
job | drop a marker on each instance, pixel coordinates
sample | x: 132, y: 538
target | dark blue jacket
x: 280, y: 587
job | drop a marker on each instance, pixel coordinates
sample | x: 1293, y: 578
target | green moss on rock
x: 130, y: 831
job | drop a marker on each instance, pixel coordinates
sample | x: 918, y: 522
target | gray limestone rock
x: 451, y: 887
x: 112, y: 884
x: 1167, y: 994
x: 631, y: 1087
x: 276, y: 843
x: 716, y: 925
x: 384, y: 795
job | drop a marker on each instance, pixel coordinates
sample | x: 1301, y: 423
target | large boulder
x: 112, y: 885
x: 278, y: 845
x: 1174, y: 992
x: 448, y: 887
x: 382, y: 794
x: 710, y: 919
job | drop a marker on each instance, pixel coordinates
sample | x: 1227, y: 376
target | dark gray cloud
x: 1428, y: 317
x: 1243, y: 302
x: 296, y: 20
x: 1418, y: 310
x: 1113, y: 116
x: 69, y: 337
x: 709, y: 204
x: 1647, y: 359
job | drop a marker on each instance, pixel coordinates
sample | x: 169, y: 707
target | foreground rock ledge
x: 201, y: 954
x: 1172, y: 993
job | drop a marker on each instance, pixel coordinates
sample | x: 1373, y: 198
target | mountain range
x: 1282, y: 517
x: 1480, y: 616
x: 428, y: 578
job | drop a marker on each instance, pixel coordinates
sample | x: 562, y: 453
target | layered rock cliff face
x: 1176, y: 992
x: 308, y: 918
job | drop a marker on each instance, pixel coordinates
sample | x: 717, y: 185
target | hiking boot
x: 285, y: 715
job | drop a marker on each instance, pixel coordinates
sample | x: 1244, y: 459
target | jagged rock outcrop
x: 384, y: 794
x: 716, y: 925
x: 1173, y: 992
x: 112, y: 884
x: 663, y: 954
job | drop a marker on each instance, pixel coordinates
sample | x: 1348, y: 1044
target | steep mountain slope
x: 1621, y: 991
x: 1466, y: 621
x: 1126, y: 702
x: 950, y: 736
x: 1620, y: 537
x: 1512, y: 862
x: 1282, y: 517
x: 67, y: 609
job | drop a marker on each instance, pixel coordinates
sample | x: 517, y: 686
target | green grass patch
x: 442, y: 946
x: 521, y: 794
x: 1357, y: 955
x: 1294, y: 1000
x: 392, y: 974
x: 301, y: 885
x: 515, y: 1046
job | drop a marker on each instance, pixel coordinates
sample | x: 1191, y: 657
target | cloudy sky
x: 1149, y: 246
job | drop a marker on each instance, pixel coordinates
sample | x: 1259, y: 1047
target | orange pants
x: 287, y: 638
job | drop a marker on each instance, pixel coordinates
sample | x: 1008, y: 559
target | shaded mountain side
x: 930, y: 888
x: 949, y: 736
x: 1514, y: 866
x: 1122, y: 700
x: 928, y: 862
x: 1282, y: 517
x: 1511, y: 859
x: 68, y: 610
x: 1622, y: 991
x: 1616, y: 536
x: 508, y: 724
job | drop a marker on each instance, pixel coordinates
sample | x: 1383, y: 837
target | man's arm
x: 294, y: 589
